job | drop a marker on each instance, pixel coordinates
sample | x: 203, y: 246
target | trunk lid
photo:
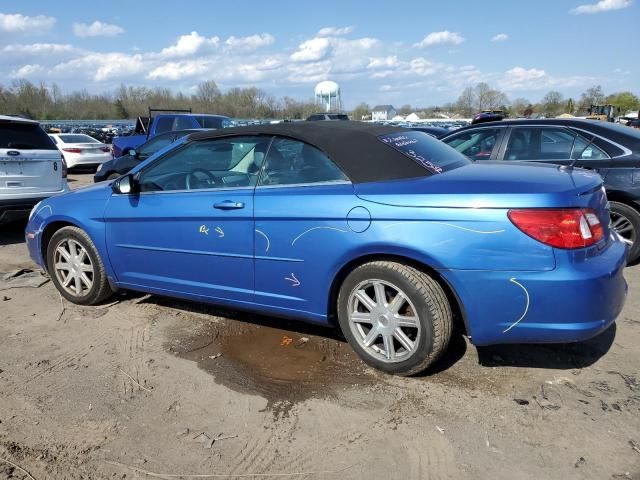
x: 30, y: 171
x: 490, y: 185
x: 85, y: 147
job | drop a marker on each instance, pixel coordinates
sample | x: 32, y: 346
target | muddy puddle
x: 285, y: 366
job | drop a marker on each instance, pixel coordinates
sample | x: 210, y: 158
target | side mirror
x: 125, y: 185
x: 133, y: 153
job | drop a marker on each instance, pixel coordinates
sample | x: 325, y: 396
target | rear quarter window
x: 434, y: 155
x: 24, y: 136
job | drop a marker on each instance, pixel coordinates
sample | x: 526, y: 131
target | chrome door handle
x: 229, y: 205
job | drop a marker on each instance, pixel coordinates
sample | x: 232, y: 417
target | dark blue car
x: 389, y: 233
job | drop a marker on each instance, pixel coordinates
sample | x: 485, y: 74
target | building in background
x: 383, y: 112
x: 328, y: 96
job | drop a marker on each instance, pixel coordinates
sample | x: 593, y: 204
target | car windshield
x: 25, y: 136
x: 433, y: 155
x: 214, y: 122
x: 77, y: 138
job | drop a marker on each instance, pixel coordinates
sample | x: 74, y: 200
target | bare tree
x: 592, y: 96
x: 466, y: 102
x: 553, y: 103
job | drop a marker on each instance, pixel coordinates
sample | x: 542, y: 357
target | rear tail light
x: 72, y: 150
x: 559, y: 227
x: 64, y: 167
x: 105, y: 149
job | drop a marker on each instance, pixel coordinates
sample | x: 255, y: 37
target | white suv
x: 31, y: 167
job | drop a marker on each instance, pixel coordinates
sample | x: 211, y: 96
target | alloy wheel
x: 73, y: 267
x: 623, y: 227
x: 384, y: 321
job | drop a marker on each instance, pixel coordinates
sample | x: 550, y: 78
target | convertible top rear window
x: 433, y: 155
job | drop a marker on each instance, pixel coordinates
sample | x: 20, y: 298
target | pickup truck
x: 148, y: 127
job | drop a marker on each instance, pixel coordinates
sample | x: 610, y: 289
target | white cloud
x: 335, y: 31
x: 252, y: 42
x: 27, y: 71
x: 312, y: 50
x: 501, y: 37
x: 601, y: 6
x: 178, y: 70
x: 382, y: 62
x: 17, y: 23
x: 422, y: 66
x: 519, y: 78
x: 96, y: 29
x: 102, y: 67
x: 440, y: 38
x: 189, y: 44
x: 37, y: 49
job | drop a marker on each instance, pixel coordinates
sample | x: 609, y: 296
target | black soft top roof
x: 353, y: 146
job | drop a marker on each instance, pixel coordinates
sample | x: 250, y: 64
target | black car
x: 611, y: 149
x: 121, y: 165
x: 433, y: 131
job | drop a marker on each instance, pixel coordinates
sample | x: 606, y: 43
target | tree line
x: 48, y: 102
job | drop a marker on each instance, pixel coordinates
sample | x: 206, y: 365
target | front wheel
x: 626, y: 222
x: 75, y: 267
x: 398, y: 319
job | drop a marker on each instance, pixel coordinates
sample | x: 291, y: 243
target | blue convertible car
x: 388, y: 232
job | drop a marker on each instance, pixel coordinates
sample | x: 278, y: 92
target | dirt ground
x: 149, y: 384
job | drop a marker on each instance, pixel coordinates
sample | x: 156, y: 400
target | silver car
x: 31, y: 167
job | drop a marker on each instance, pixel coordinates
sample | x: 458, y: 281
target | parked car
x: 81, y: 150
x: 121, y: 165
x: 433, y: 131
x: 487, y: 116
x: 31, y: 167
x: 149, y: 127
x: 327, y: 116
x: 387, y: 232
x: 610, y: 149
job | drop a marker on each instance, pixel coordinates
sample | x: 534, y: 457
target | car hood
x: 487, y: 185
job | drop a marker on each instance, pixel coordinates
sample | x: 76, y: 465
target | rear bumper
x: 14, y: 207
x: 87, y: 160
x: 579, y: 299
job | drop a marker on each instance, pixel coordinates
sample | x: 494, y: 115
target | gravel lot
x: 149, y: 384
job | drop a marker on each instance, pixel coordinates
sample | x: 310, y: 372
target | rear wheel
x: 626, y: 222
x: 397, y: 318
x: 75, y: 267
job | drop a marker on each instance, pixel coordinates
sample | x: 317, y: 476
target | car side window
x: 182, y: 123
x: 164, y: 124
x: 583, y: 149
x: 153, y: 145
x: 475, y: 144
x: 549, y: 143
x: 207, y: 164
x: 294, y: 162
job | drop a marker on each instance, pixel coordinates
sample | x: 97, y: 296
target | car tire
x: 423, y: 314
x: 113, y: 176
x: 71, y: 253
x: 626, y: 221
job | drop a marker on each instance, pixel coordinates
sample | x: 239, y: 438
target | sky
x: 399, y: 52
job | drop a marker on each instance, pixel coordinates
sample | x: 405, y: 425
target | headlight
x: 100, y: 167
x: 33, y: 210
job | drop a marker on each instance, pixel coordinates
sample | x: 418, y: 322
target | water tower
x: 328, y: 96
